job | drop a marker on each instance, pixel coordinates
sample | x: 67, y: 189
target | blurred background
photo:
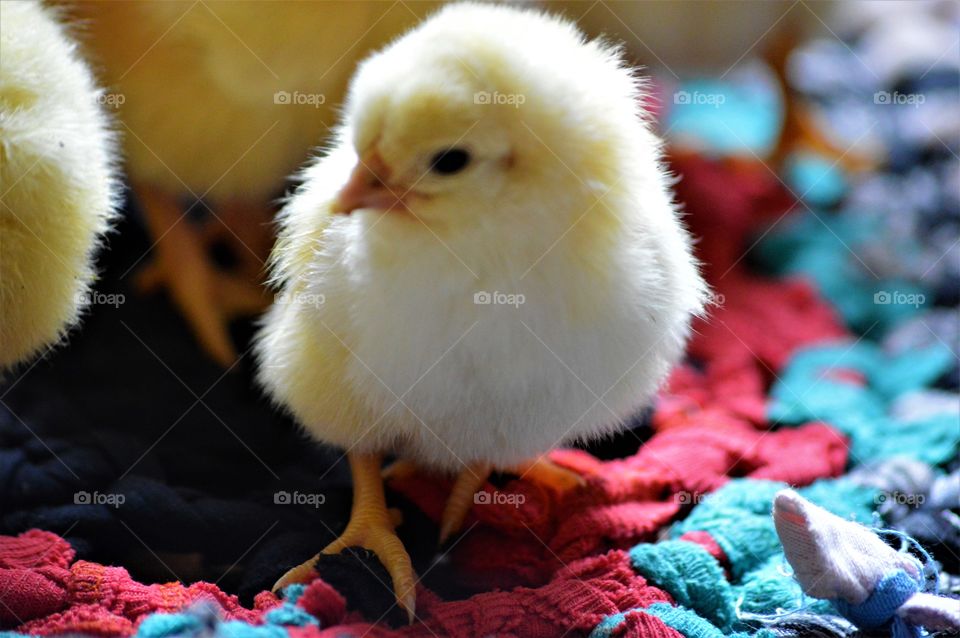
x: 813, y: 141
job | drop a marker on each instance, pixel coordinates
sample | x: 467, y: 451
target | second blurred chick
x: 218, y: 103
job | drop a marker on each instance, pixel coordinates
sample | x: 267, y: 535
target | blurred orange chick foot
x: 207, y: 296
x: 545, y: 472
x: 399, y: 470
x: 246, y: 229
x: 541, y: 470
x: 371, y: 526
x: 802, y: 132
x: 461, y: 498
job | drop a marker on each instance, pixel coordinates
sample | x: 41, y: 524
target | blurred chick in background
x: 693, y: 37
x: 219, y: 102
x: 705, y: 38
x: 491, y: 149
x: 57, y: 186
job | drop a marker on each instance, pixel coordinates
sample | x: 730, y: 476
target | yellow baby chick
x: 486, y: 265
x: 57, y: 186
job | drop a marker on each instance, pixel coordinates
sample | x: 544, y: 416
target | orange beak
x: 368, y: 188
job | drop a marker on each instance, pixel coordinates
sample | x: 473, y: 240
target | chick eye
x: 449, y: 161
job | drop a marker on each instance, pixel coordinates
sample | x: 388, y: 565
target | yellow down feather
x: 57, y: 186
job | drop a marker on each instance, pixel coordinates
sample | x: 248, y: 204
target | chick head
x: 487, y: 112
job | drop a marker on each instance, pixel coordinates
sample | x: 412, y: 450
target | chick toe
x: 302, y: 573
x: 207, y: 296
x: 461, y: 498
x: 371, y: 526
x: 545, y: 472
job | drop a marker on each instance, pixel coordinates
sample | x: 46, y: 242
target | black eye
x: 450, y: 161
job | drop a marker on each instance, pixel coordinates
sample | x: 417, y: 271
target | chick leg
x: 244, y: 226
x: 399, y: 469
x: 543, y: 471
x: 461, y: 498
x: 206, y: 296
x: 371, y: 526
x: 800, y: 129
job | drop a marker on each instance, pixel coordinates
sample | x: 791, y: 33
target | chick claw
x: 371, y: 526
x: 302, y: 573
x: 380, y: 539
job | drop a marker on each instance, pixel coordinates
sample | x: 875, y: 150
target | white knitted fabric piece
x: 831, y: 557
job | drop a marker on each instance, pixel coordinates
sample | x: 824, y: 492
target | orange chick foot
x: 206, y: 296
x: 545, y: 472
x: 461, y: 499
x: 371, y: 526
x: 302, y: 573
x: 541, y: 470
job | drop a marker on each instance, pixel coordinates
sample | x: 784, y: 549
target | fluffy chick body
x: 376, y: 343
x: 56, y: 179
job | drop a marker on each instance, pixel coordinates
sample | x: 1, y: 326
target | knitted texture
x: 869, y: 582
x: 104, y: 601
x: 880, y: 607
x: 856, y: 395
x: 690, y: 575
x: 834, y: 558
x: 686, y: 622
x: 48, y: 592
